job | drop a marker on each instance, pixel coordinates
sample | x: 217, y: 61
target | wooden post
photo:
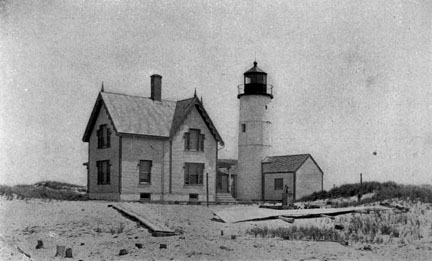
x: 207, y: 189
x: 60, y: 251
x: 68, y: 253
x: 39, y: 244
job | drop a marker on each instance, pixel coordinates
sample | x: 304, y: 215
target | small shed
x: 299, y: 172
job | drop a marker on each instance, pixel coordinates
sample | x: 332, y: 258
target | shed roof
x: 285, y: 163
x: 224, y: 164
x: 144, y: 116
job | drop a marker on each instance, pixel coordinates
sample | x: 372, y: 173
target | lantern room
x: 255, y: 83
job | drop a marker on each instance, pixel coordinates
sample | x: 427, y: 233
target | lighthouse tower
x: 254, y: 126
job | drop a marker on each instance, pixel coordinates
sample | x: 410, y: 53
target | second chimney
x: 156, y: 87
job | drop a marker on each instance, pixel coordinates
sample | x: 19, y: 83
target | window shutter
x: 108, y: 144
x: 186, y: 140
x: 98, y: 132
x: 186, y: 174
x: 201, y: 142
x: 98, y: 172
x: 201, y: 174
x: 149, y: 171
x: 108, y: 173
x: 102, y: 172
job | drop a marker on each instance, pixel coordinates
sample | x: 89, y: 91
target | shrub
x: 117, y: 230
x: 298, y: 233
x: 370, y: 228
x: 386, y: 190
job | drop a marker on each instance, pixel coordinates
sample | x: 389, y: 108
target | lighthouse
x: 253, y: 140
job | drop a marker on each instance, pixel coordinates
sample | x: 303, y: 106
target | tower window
x: 243, y: 127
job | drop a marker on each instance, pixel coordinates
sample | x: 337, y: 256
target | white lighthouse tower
x: 254, y: 125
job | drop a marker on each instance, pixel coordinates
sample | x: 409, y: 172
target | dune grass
x: 51, y: 190
x: 373, y: 228
x: 383, y: 191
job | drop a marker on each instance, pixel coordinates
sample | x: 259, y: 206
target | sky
x: 351, y: 79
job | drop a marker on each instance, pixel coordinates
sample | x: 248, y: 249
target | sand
x: 97, y: 232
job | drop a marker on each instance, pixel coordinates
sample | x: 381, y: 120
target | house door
x: 233, y: 186
x: 222, y: 183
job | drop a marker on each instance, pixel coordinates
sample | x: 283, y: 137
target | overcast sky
x: 349, y: 78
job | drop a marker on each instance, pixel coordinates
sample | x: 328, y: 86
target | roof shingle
x: 286, y: 163
x: 144, y: 116
x: 140, y: 115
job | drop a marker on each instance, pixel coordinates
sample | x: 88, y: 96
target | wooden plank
x: 156, y: 229
x: 253, y: 214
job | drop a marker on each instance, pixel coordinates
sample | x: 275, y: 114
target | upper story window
x: 145, y: 171
x: 103, y: 172
x: 194, y: 140
x: 104, y: 137
x: 193, y: 173
x: 243, y: 127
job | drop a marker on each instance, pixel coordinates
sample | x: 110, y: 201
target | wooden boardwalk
x: 157, y: 229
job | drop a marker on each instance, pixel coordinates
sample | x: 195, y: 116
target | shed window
x: 278, y: 184
x: 193, y: 173
x: 194, y: 140
x: 103, y: 172
x: 145, y: 171
x: 104, y: 136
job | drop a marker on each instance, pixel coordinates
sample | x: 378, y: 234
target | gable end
x: 93, y: 117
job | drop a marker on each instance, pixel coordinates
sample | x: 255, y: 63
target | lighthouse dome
x: 255, y: 83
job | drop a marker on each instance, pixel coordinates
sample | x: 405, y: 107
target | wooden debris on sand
x: 255, y: 214
x: 134, y: 212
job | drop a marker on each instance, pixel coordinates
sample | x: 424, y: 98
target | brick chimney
x: 156, y: 87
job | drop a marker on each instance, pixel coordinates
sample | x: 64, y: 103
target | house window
x: 145, y: 196
x: 194, y: 173
x: 104, y: 137
x: 278, y: 184
x: 243, y: 127
x: 194, y: 140
x: 145, y: 171
x: 103, y: 172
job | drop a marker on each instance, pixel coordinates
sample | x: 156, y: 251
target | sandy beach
x: 95, y: 231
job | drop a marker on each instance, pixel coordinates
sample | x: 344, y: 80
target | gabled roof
x: 184, y: 107
x: 144, y: 116
x: 286, y: 163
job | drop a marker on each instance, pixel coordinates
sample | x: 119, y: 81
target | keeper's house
x: 142, y: 148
